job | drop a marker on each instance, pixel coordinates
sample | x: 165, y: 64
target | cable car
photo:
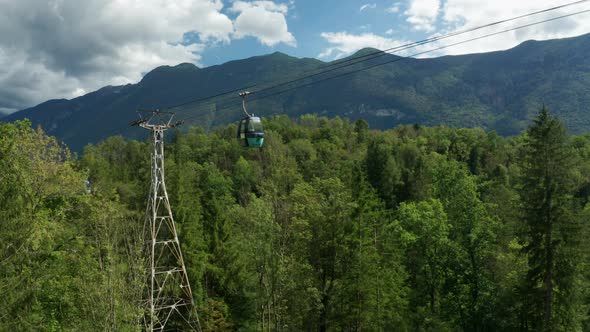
x: 250, y: 131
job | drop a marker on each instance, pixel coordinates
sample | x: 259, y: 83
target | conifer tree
x: 547, y: 212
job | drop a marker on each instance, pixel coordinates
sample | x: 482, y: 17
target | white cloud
x: 394, y: 9
x: 368, y: 6
x: 264, y: 20
x: 240, y: 6
x: 457, y: 15
x: 422, y: 14
x: 24, y: 81
x: 6, y: 111
x: 62, y: 48
x: 462, y: 14
x: 78, y: 92
x: 344, y: 44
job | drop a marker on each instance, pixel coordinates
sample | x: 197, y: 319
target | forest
x: 331, y: 226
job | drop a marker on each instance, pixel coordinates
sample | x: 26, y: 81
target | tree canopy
x: 330, y: 226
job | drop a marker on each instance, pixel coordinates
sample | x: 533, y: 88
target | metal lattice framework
x: 169, y: 301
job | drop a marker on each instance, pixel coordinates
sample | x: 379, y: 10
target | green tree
x: 424, y: 231
x: 361, y: 128
x: 69, y: 260
x: 473, y: 233
x: 550, y: 232
x: 373, y: 295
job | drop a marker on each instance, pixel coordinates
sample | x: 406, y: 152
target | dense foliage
x: 330, y: 227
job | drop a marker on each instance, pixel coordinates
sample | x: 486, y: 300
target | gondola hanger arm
x: 244, y: 94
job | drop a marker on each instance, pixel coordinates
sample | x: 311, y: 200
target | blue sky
x: 307, y: 25
x: 66, y: 48
x: 344, y: 26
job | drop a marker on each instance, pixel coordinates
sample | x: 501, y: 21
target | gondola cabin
x: 250, y: 133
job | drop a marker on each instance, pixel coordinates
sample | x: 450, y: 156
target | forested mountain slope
x: 498, y: 90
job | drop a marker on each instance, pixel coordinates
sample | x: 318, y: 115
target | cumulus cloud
x: 368, y: 6
x: 422, y: 14
x: 344, y: 44
x: 240, y: 6
x: 264, y: 20
x: 63, y: 48
x: 394, y: 9
x: 462, y: 14
x: 456, y: 15
x: 5, y: 111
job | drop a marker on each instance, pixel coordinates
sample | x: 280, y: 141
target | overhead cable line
x: 258, y: 97
x: 415, y: 44
x: 455, y: 33
x: 428, y: 51
x: 339, y: 64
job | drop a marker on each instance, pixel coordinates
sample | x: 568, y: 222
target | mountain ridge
x: 498, y: 90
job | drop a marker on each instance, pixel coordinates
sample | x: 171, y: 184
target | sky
x: 66, y: 48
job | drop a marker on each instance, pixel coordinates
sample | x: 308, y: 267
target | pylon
x: 169, y: 303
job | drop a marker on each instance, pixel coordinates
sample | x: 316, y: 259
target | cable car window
x: 255, y: 124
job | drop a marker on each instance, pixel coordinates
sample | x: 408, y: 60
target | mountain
x: 496, y: 91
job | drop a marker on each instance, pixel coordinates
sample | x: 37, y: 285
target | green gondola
x: 250, y: 131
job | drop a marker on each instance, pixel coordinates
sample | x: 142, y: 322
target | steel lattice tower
x: 169, y: 301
